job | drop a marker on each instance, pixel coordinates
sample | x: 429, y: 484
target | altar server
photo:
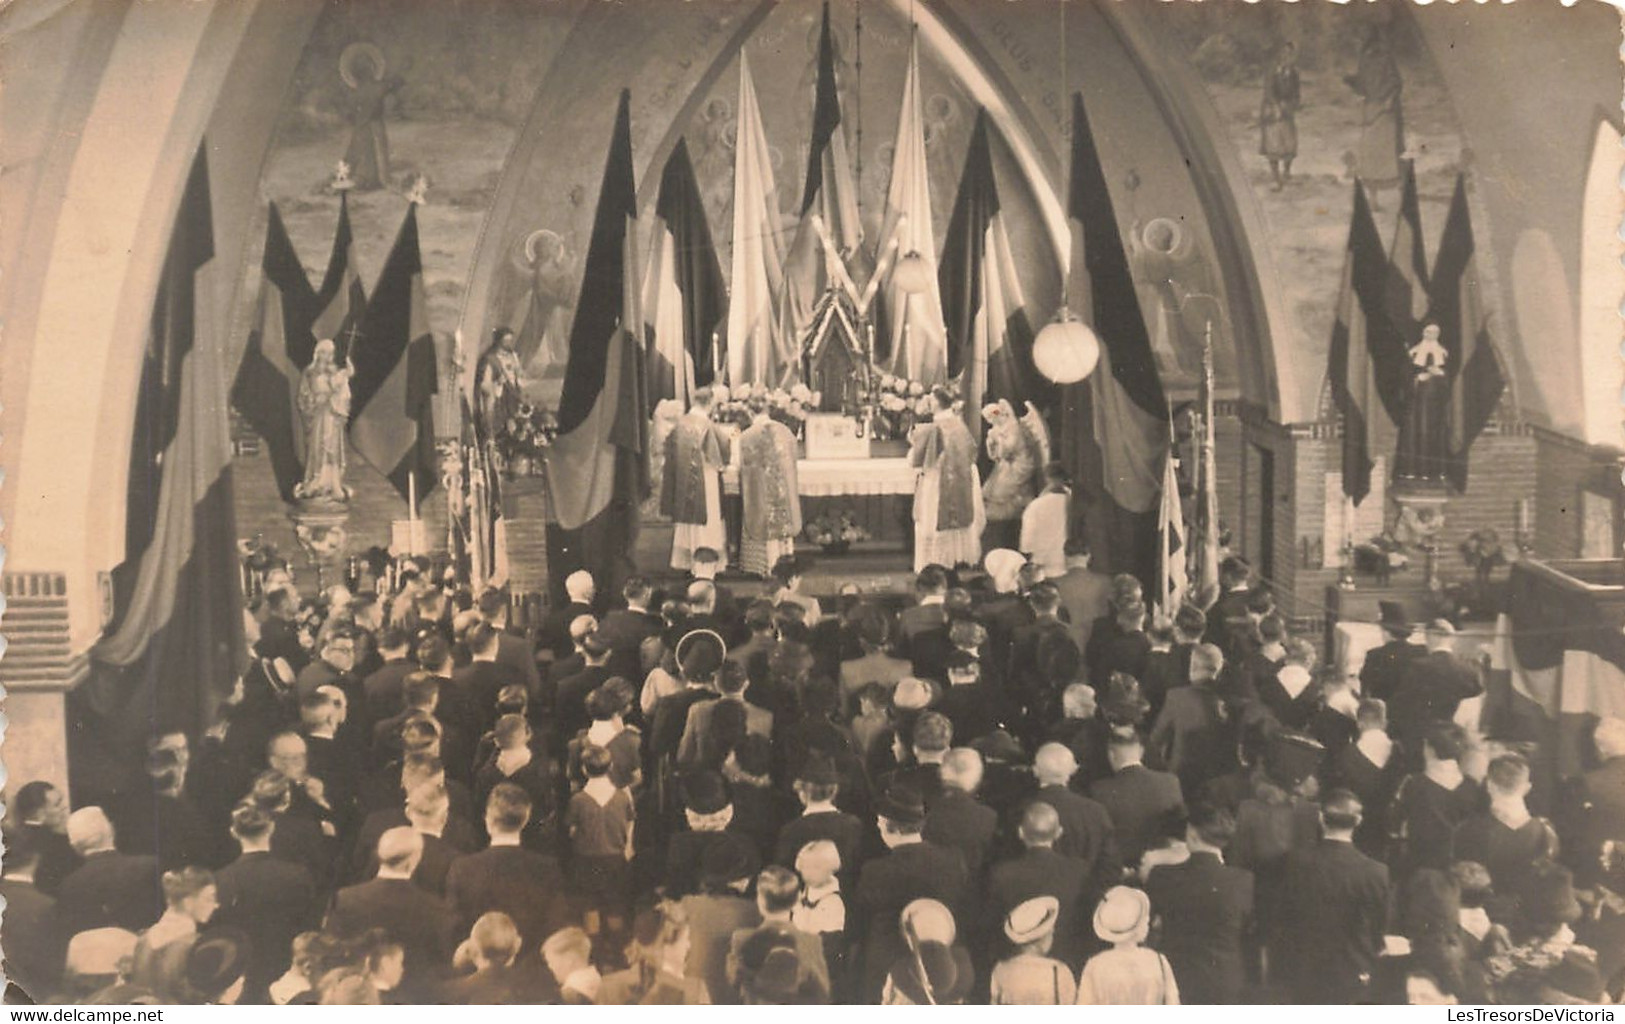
x: 767, y: 486
x: 691, y: 492
x: 948, y: 513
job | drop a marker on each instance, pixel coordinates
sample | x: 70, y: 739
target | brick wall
x: 1566, y: 468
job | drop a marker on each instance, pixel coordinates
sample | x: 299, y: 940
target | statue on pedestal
x: 324, y: 404
x: 1424, y: 434
x: 500, y: 382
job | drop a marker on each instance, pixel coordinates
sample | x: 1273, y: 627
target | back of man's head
x: 89, y: 831
x: 433, y: 653
x: 492, y: 604
x: 962, y: 770
x: 1040, y: 824
x: 732, y: 678
x: 400, y: 849
x: 1372, y: 714
x: 1341, y: 811
x: 507, y: 809
x: 428, y: 806
x: 1044, y: 599
x: 777, y: 889
x: 933, y: 579
x: 579, y: 587
x: 1190, y: 622
x: 1207, y: 661
x: 1123, y: 747
x: 1508, y: 776
x: 1211, y: 823
x: 1054, y: 764
x: 933, y: 733
x: 702, y: 595
x: 481, y: 639
x: 251, y: 823
x: 581, y: 626
x: 495, y: 938
x: 636, y: 591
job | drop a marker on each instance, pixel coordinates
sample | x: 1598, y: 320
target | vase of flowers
x: 1483, y: 554
x: 835, y: 532
x: 524, y: 440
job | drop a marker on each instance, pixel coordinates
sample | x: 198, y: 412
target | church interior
x: 179, y: 178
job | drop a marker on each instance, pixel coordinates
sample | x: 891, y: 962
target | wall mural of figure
x: 1382, y: 126
x: 541, y: 317
x: 362, y: 68
x: 1278, y: 115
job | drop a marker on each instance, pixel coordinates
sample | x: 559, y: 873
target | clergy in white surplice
x: 691, y: 486
x: 948, y: 513
x: 768, y: 491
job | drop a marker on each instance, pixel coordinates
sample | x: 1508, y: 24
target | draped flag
x: 1405, y: 294
x: 913, y: 332
x: 342, y: 299
x: 753, y: 353
x: 176, y: 642
x: 1115, y: 424
x: 478, y: 532
x: 1354, y: 368
x: 267, y: 386
x: 830, y: 200
x: 1204, y: 583
x: 1476, y: 383
x: 990, y: 341
x: 396, y: 376
x: 598, y: 468
x: 1174, y: 579
x: 683, y: 293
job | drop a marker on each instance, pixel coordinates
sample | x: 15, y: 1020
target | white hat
x: 1032, y: 920
x: 1122, y: 914
x: 930, y: 920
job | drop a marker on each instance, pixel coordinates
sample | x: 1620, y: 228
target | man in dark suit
x: 699, y: 657
x: 384, y: 690
x: 1227, y: 619
x: 699, y: 744
x: 492, y: 947
x: 570, y: 695
x: 928, y: 614
x: 1206, y: 908
x: 625, y: 629
x: 1085, y: 593
x: 40, y: 811
x: 1433, y: 688
x: 554, y: 636
x: 515, y: 652
x: 956, y: 819
x: 481, y: 680
x: 1040, y: 871
x: 1138, y: 799
x: 523, y: 884
x: 913, y: 869
x: 109, y: 889
x: 414, y: 917
x: 271, y: 900
x: 1123, y: 648
x: 1086, y: 828
x: 1026, y: 679
x: 1193, y: 736
x: 1387, y: 667
x: 1333, y: 910
x: 818, y: 785
x: 30, y: 934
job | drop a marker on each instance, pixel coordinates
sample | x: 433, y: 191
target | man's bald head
x: 702, y: 595
x: 962, y: 769
x: 1054, y: 765
x: 89, y: 831
x: 400, y: 849
x: 1040, y: 825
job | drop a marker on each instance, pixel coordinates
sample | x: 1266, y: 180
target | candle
x: 1523, y: 515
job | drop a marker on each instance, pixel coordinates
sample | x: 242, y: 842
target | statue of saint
x: 1424, y: 434
x: 500, y: 384
x: 324, y: 403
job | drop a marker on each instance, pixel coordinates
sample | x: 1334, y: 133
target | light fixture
x: 911, y: 275
x: 1067, y: 350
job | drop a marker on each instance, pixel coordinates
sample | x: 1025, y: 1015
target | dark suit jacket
x: 570, y: 699
x: 918, y: 619
x: 493, y: 986
x: 273, y: 901
x: 384, y: 691
x: 1387, y: 667
x: 170, y: 828
x: 890, y: 883
x: 555, y: 632
x: 671, y: 718
x: 960, y: 822
x: 1206, y: 908
x: 1334, y: 909
x: 1043, y: 872
x: 844, y: 830
x: 1086, y: 834
x: 111, y: 889
x: 419, y: 920
x: 455, y: 839
x: 479, y: 683
x: 515, y: 652
x: 625, y: 630
x: 32, y: 938
x: 1192, y: 738
x: 57, y: 859
x: 523, y: 884
x: 1138, y: 800
x: 299, y: 840
x: 1086, y: 595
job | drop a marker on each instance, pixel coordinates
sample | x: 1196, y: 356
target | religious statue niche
x: 834, y: 363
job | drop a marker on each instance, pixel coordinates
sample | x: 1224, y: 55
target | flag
x: 1404, y: 302
x: 1353, y: 368
x: 1476, y: 382
x: 683, y: 293
x: 829, y: 197
x: 753, y: 354
x: 176, y: 642
x: 396, y: 376
x: 1174, y: 577
x: 598, y: 470
x: 342, y: 299
x: 1205, y: 537
x: 478, y: 530
x: 990, y: 342
x: 1114, y: 426
x: 914, y: 337
x: 266, y: 390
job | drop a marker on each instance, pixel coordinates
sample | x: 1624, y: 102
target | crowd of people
x: 1012, y: 789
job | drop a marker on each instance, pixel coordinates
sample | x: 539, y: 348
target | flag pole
x: 412, y: 506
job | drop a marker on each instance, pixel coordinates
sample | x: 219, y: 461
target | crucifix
x: 349, y: 337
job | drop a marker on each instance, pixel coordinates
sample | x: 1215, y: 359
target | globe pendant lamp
x: 911, y: 275
x: 1066, y: 350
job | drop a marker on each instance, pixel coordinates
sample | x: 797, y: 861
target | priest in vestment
x: 691, y: 488
x: 948, y: 513
x: 767, y: 487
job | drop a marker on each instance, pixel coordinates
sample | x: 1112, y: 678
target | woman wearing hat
x: 1031, y: 977
x: 1128, y: 974
x: 932, y: 971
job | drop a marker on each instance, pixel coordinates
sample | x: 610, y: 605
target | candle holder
x: 1345, y: 577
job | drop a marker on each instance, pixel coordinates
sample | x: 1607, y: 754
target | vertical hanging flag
x: 1405, y: 295
x: 990, y: 341
x: 1476, y: 382
x: 1115, y: 423
x: 598, y: 471
x: 1205, y: 537
x: 829, y: 198
x: 758, y: 250
x: 1353, y: 366
x: 1174, y: 579
x: 683, y: 293
x: 342, y: 299
x: 267, y: 386
x: 396, y: 372
x: 176, y: 643
x: 914, y: 335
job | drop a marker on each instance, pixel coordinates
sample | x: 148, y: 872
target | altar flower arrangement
x: 835, y: 531
x: 789, y: 407
x: 528, y: 434
x: 1382, y: 555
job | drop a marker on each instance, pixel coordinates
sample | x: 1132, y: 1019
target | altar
x: 877, y: 491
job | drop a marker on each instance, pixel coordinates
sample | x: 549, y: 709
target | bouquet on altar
x: 899, y: 404
x: 527, y: 434
x: 790, y: 407
x: 835, y: 530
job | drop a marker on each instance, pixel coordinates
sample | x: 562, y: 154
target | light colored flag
x: 1175, y: 576
x: 758, y: 248
x: 915, y: 337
